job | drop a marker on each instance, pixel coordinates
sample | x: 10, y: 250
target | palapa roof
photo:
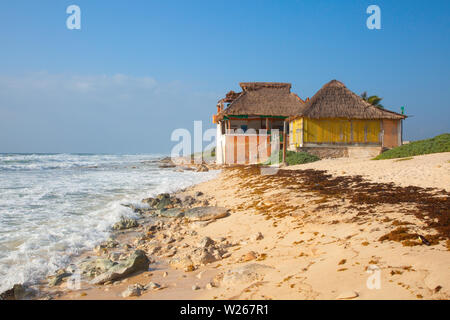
x: 262, y: 99
x: 335, y: 100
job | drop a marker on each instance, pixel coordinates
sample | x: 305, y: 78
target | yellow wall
x: 335, y: 131
x: 295, y: 132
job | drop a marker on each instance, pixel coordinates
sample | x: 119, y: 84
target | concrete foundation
x: 326, y: 152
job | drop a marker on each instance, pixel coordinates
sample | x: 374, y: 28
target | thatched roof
x: 263, y: 98
x: 334, y: 100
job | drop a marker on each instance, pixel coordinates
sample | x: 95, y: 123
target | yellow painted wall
x: 335, y: 131
x: 295, y: 130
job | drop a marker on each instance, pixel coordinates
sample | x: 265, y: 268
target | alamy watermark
x: 374, y: 20
x: 234, y: 146
x: 73, y: 22
x: 374, y: 280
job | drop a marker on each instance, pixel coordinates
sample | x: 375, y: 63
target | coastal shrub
x: 440, y: 143
x: 293, y: 158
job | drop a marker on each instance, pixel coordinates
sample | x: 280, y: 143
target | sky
x: 137, y: 70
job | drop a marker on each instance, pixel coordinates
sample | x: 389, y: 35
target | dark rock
x: 171, y: 213
x: 138, y: 261
x: 166, y: 165
x: 125, y: 223
x: 206, y: 242
x: 205, y: 213
x: 17, y: 292
x: 133, y: 291
x: 95, y: 267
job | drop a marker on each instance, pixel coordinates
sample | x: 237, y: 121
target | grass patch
x: 437, y: 144
x: 293, y: 158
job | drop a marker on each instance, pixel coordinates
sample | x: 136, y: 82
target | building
x: 245, y: 120
x: 336, y: 122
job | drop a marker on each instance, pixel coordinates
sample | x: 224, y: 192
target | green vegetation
x: 293, y: 158
x: 299, y: 157
x: 373, y: 100
x: 437, y: 144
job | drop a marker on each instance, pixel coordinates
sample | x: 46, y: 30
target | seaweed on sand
x: 427, y: 204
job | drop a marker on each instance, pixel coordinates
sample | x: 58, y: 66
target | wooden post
x: 267, y: 124
x: 284, y: 142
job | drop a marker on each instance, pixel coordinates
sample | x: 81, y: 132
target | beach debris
x: 210, y: 285
x: 134, y: 290
x: 125, y: 223
x: 138, y: 261
x: 249, y: 256
x: 165, y: 274
x: 189, y: 268
x: 58, y: 278
x: 257, y: 236
x: 348, y: 295
x: 195, y: 287
x: 424, y: 240
x: 198, y: 194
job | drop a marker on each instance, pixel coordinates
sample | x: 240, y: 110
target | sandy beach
x: 361, y: 229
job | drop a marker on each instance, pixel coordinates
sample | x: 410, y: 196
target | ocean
x: 55, y: 206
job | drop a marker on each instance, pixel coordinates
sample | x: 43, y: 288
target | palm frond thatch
x: 335, y: 100
x: 263, y: 98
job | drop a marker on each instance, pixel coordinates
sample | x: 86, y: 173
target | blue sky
x: 137, y: 70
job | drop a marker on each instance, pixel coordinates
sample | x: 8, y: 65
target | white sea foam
x: 53, y: 207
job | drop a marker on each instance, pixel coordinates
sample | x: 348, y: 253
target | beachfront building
x: 336, y: 122
x: 245, y: 121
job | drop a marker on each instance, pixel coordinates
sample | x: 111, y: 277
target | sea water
x: 55, y: 206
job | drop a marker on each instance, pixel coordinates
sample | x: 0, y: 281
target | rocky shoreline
x: 135, y: 244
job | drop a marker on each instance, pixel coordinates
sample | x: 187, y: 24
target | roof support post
x: 284, y: 142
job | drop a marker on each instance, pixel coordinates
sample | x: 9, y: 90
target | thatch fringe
x: 263, y: 98
x: 335, y: 100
